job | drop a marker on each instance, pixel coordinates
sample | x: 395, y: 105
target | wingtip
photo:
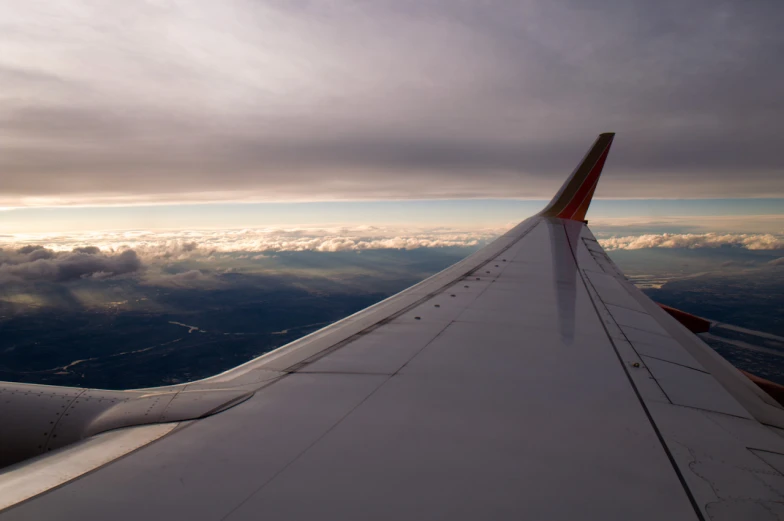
x: 575, y: 196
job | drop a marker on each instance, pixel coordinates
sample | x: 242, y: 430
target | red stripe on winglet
x: 588, y: 184
x: 579, y: 214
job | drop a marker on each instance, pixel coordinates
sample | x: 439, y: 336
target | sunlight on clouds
x: 203, y: 254
x: 26, y: 299
x: 181, y: 245
x: 693, y: 240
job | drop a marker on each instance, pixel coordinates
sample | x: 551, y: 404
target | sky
x: 160, y: 102
x: 272, y: 125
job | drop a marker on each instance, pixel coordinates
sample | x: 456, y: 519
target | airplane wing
x: 529, y: 381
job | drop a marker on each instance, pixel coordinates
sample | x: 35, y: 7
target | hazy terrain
x: 193, y: 316
x: 127, y: 332
x: 741, y: 290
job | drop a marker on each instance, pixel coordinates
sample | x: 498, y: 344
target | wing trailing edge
x: 574, y: 197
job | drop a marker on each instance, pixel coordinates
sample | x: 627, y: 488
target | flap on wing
x: 574, y: 197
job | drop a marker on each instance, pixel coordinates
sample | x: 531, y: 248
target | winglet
x: 574, y: 197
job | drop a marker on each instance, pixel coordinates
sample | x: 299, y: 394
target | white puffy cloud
x: 58, y: 253
x: 168, y: 246
x: 749, y: 241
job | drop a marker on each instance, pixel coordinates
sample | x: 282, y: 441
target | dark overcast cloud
x: 36, y: 263
x: 137, y: 101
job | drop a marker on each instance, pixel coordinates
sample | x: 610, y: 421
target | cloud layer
x: 187, y: 244
x: 36, y: 263
x: 63, y: 257
x: 194, y: 259
x: 163, y: 101
x: 748, y: 241
x: 199, y: 259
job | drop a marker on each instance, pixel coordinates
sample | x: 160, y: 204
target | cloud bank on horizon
x: 748, y: 241
x: 168, y: 101
x: 197, y: 258
x: 184, y: 244
x: 175, y: 245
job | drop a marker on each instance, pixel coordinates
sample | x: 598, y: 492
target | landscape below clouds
x: 125, y: 309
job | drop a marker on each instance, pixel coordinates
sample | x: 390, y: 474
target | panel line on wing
x: 662, y: 442
x: 671, y: 362
x: 327, y: 431
x: 390, y: 318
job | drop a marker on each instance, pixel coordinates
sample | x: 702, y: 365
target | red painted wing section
x: 585, y: 192
x: 574, y: 198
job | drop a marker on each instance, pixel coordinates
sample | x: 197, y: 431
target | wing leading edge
x: 530, y: 380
